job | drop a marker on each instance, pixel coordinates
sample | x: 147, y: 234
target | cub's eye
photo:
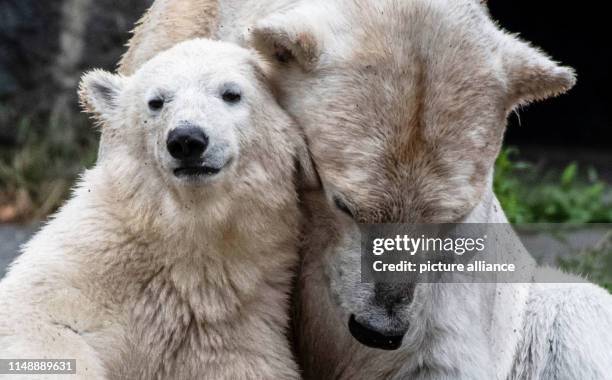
x: 231, y: 96
x: 343, y: 207
x: 156, y: 104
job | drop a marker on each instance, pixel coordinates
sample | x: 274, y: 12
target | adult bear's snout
x: 367, y: 336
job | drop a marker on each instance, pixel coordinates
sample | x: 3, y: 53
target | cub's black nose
x: 187, y: 143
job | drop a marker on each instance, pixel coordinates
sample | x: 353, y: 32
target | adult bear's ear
x: 532, y: 75
x: 99, y: 92
x: 287, y: 39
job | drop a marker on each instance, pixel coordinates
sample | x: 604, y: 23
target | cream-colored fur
x: 165, y: 24
x: 145, y: 275
x: 404, y: 105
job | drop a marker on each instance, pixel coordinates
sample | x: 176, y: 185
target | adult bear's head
x: 404, y: 104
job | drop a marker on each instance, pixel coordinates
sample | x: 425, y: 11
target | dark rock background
x: 575, y: 34
x: 44, y: 48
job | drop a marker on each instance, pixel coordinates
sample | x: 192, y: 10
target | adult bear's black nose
x: 187, y: 143
x: 373, y: 338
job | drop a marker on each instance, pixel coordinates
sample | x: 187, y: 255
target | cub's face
x: 193, y: 117
x: 187, y: 113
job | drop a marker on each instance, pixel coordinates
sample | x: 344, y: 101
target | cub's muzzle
x: 187, y: 143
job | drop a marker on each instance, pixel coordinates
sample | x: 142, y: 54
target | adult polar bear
x: 404, y: 104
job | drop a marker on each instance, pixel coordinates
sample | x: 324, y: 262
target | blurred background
x: 44, y: 139
x: 556, y: 167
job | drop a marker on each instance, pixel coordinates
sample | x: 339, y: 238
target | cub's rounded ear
x: 99, y: 92
x: 287, y: 39
x: 532, y: 75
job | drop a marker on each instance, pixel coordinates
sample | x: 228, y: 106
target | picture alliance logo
x: 439, y: 266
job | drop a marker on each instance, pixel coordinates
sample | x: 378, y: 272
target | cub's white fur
x: 145, y: 275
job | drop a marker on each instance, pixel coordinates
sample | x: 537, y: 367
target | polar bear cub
x: 175, y: 255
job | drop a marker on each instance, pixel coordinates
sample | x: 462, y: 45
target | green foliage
x: 509, y: 186
x: 35, y: 176
x: 529, y: 197
x: 595, y: 263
